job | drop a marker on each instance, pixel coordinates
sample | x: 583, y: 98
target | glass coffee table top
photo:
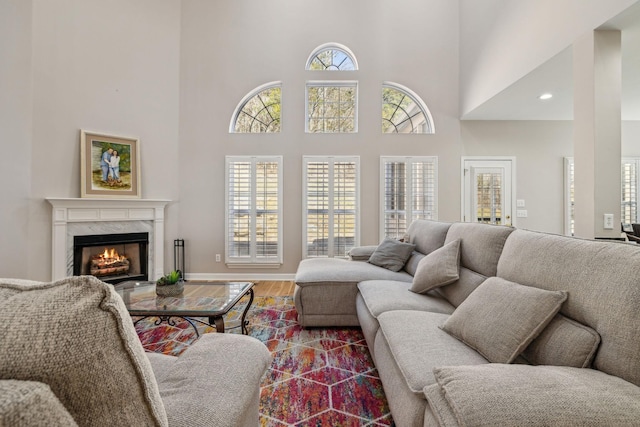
x: 199, y: 299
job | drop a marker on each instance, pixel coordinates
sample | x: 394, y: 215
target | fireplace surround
x: 86, y: 217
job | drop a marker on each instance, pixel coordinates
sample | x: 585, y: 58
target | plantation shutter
x: 331, y: 202
x: 254, y: 206
x: 409, y: 192
x: 629, y: 214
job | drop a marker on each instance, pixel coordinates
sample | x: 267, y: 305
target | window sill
x: 253, y: 265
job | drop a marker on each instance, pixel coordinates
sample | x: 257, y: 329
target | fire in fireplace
x: 112, y: 258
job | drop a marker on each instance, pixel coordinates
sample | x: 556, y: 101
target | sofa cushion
x: 386, y: 295
x: 76, y: 336
x: 361, y: 253
x: 535, y: 396
x: 391, y: 254
x: 427, y: 235
x: 481, y: 245
x: 500, y: 318
x: 439, y: 268
x: 602, y: 281
x: 564, y: 342
x: 430, y: 346
x: 216, y: 390
x: 458, y: 291
x: 320, y: 271
x: 31, y: 404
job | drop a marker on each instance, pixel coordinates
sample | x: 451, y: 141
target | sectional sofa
x: 490, y: 325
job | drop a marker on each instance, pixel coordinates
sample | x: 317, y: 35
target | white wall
x: 15, y: 135
x: 229, y: 48
x: 103, y: 66
x: 504, y: 40
x: 539, y: 148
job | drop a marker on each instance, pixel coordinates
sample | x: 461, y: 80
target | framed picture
x: 110, y: 166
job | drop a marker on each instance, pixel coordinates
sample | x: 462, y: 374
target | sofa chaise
x: 69, y: 355
x: 491, y: 325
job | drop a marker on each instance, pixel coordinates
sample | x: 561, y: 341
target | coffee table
x: 211, y: 300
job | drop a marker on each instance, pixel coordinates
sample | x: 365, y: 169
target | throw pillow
x: 391, y: 254
x: 439, y: 268
x: 361, y: 253
x: 564, y: 342
x: 501, y: 318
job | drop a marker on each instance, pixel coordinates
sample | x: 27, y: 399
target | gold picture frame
x: 105, y: 174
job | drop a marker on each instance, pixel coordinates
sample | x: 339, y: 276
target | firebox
x: 112, y: 258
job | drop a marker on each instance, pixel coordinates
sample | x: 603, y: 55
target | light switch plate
x: 608, y: 221
x: 520, y: 203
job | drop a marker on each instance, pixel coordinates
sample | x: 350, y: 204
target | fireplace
x: 112, y: 258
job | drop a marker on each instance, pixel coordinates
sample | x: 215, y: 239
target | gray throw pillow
x: 564, y: 342
x: 439, y: 268
x: 391, y: 254
x: 501, y: 318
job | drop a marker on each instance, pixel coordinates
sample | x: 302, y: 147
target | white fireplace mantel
x: 69, y: 211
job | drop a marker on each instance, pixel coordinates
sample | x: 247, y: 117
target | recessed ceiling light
x: 545, y: 96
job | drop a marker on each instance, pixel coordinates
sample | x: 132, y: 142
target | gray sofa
x: 536, y: 329
x: 69, y: 355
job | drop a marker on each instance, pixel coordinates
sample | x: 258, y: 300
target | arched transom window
x: 258, y: 111
x: 332, y: 57
x: 403, y: 111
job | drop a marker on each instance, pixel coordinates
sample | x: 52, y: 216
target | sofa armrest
x: 361, y: 253
x: 215, y: 382
x: 31, y: 404
x: 500, y: 394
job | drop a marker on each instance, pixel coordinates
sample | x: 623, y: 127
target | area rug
x: 319, y: 377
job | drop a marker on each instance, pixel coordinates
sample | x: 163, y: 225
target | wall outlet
x: 522, y: 213
x: 218, y: 258
x: 608, y: 221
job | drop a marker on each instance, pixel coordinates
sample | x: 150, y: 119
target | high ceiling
x: 520, y: 100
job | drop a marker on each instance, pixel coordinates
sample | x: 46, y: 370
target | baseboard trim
x: 236, y: 277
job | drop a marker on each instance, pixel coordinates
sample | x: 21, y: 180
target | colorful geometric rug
x: 319, y: 377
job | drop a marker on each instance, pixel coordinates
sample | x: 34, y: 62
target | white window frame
x: 410, y: 193
x: 253, y: 260
x: 429, y: 125
x: 330, y: 83
x: 331, y: 160
x: 247, y: 98
x: 332, y: 46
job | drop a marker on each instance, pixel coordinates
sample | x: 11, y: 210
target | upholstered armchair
x: 69, y: 355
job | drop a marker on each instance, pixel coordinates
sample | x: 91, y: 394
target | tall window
x: 332, y: 57
x: 254, y: 210
x: 332, y: 107
x: 403, y: 111
x: 409, y: 191
x: 258, y: 111
x: 629, y: 185
x: 630, y: 190
x: 331, y: 205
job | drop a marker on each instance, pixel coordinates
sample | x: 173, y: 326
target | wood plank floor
x: 274, y: 288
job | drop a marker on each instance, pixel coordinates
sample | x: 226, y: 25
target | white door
x: 488, y: 191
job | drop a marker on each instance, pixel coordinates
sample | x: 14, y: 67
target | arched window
x: 403, y: 111
x: 258, y: 111
x: 332, y: 57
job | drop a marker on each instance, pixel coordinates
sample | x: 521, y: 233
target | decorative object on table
x: 170, y: 285
x: 110, y: 166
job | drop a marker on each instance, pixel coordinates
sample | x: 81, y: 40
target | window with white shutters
x: 254, y: 210
x: 630, y: 190
x: 409, y: 191
x: 331, y: 206
x: 629, y: 185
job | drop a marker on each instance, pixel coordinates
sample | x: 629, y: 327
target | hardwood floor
x: 274, y: 288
